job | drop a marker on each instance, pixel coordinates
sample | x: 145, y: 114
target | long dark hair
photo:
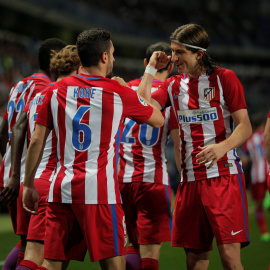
x: 194, y: 34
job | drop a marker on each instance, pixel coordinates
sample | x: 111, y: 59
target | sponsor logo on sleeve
x: 197, y: 115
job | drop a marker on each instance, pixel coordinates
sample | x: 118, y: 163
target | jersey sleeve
x: 161, y: 95
x: 173, y: 123
x: 135, y: 107
x: 44, y: 116
x: 233, y: 91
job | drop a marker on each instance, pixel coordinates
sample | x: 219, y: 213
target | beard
x: 109, y: 75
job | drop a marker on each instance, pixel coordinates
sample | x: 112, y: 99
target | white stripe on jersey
x: 117, y: 114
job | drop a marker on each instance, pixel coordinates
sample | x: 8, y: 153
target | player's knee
x: 230, y: 261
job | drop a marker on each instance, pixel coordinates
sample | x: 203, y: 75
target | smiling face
x: 185, y: 60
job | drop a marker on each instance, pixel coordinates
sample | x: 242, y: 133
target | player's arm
x: 11, y: 190
x: 240, y: 134
x: 157, y: 61
x: 267, y: 139
x: 156, y: 120
x: 33, y: 158
x: 3, y: 136
x: 176, y: 148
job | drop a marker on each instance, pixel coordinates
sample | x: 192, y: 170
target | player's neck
x: 161, y: 76
x: 94, y: 71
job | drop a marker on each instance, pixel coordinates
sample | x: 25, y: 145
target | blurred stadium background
x: 239, y: 31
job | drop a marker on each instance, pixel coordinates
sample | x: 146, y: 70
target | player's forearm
x: 34, y: 154
x: 33, y: 158
x: 144, y: 89
x: 17, y: 144
x: 240, y: 134
x: 3, y: 136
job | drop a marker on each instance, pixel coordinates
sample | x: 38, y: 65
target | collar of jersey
x: 39, y: 75
x: 91, y: 77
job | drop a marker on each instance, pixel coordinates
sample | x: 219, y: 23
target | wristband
x: 150, y: 70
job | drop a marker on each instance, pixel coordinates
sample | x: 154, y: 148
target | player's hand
x: 159, y: 60
x: 210, y: 153
x: 30, y: 200
x: 120, y: 80
x: 11, y: 190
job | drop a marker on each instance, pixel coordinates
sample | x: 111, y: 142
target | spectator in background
x: 254, y: 155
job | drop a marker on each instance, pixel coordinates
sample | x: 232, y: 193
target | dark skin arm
x: 3, y: 136
x: 11, y: 190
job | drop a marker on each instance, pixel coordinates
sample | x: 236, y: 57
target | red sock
x: 42, y: 268
x: 260, y: 218
x: 133, y: 258
x: 20, y: 257
x: 26, y: 264
x: 148, y: 264
x: 19, y: 244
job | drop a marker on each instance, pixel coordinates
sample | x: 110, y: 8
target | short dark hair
x: 196, y: 35
x: 45, y: 50
x: 91, y: 44
x: 160, y: 46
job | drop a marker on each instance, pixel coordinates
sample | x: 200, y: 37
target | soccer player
x: 143, y: 177
x: 267, y: 146
x: 254, y: 153
x: 86, y: 111
x: 22, y: 93
x: 211, y: 199
x: 64, y: 63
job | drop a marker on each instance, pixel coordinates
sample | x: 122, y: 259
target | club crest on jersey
x: 142, y: 101
x: 209, y: 93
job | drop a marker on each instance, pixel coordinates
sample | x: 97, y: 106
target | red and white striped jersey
x: 203, y: 107
x: 49, y: 157
x: 86, y: 113
x: 254, y: 148
x: 142, y: 148
x: 19, y: 96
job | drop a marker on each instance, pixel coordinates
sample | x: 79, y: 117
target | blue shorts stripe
x: 169, y: 206
x: 243, y: 200
x: 115, y: 232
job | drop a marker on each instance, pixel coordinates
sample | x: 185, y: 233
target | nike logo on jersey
x: 176, y: 96
x: 234, y: 233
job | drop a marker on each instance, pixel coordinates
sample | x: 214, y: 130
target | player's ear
x: 145, y: 62
x: 104, y: 57
x: 200, y: 54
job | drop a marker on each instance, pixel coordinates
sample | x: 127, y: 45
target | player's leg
x: 51, y: 265
x: 11, y: 259
x: 230, y: 256
x: 191, y: 228
x: 225, y: 203
x: 258, y: 191
x: 114, y: 263
x: 103, y: 228
x: 153, y: 223
x: 197, y: 259
x: 128, y: 194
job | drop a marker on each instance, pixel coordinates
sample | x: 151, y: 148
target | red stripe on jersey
x: 196, y: 130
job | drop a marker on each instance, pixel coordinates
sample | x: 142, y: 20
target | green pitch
x: 255, y: 256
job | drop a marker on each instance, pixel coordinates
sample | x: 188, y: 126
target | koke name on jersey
x: 85, y: 92
x: 197, y: 115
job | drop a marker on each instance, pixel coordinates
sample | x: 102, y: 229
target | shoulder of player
x: 135, y: 82
x: 224, y: 73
